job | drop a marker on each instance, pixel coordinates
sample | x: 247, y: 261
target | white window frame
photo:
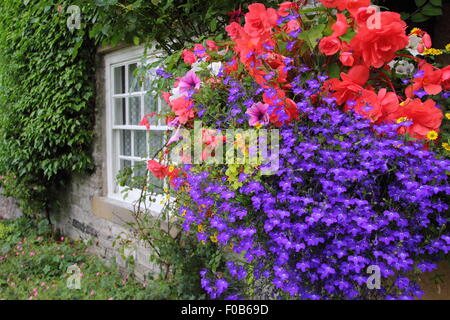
x: 112, y: 60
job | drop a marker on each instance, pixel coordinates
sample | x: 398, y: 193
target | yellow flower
x: 201, y: 228
x: 214, y: 237
x: 432, y: 52
x: 446, y: 146
x: 432, y: 135
x: 183, y: 213
x: 415, y: 31
x: 447, y: 115
x: 447, y: 47
x: 402, y: 119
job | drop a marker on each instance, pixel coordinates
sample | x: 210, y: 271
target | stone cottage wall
x: 85, y: 213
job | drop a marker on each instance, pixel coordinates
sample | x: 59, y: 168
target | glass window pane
x: 133, y: 81
x: 119, y: 111
x: 155, y: 141
x: 150, y: 105
x: 119, y: 80
x: 125, y: 164
x: 134, y: 108
x: 140, y: 168
x: 125, y: 143
x: 140, y: 143
x: 148, y: 82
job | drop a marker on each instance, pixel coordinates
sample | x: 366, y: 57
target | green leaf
x: 136, y: 40
x: 334, y: 71
x: 430, y: 10
x: 348, y: 36
x: 420, y: 3
x: 437, y: 3
x: 419, y: 17
x: 312, y: 35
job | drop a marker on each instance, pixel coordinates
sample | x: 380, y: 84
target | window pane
x: 148, y: 82
x: 119, y: 111
x: 151, y: 105
x: 140, y: 142
x: 119, y: 80
x: 155, y: 141
x: 140, y: 168
x: 133, y: 81
x: 125, y: 143
x: 135, y: 110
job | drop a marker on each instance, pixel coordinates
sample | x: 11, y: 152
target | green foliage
x: 46, y: 100
x: 171, y: 23
x: 34, y: 264
x: 423, y: 10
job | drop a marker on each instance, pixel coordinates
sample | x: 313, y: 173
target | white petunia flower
x: 214, y: 68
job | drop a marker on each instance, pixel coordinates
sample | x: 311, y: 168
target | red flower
x: 446, y: 78
x: 341, y: 26
x: 330, y: 45
x: 234, y: 30
x: 235, y: 15
x: 379, y: 45
x: 375, y: 107
x: 340, y: 4
x: 286, y: 7
x: 183, y: 109
x: 350, y: 87
x: 430, y: 81
x: 354, y: 5
x: 188, y: 57
x: 347, y: 58
x: 425, y: 116
x: 158, y: 170
x: 145, y: 122
x: 259, y: 21
x: 212, y: 46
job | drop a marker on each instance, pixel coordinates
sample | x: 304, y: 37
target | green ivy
x: 46, y: 100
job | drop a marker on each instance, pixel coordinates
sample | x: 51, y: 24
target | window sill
x: 119, y: 212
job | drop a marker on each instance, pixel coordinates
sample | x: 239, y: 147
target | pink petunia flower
x: 258, y: 114
x: 189, y: 82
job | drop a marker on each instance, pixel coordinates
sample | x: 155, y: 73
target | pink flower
x: 292, y: 25
x: 92, y: 293
x: 189, y: 82
x: 188, y: 57
x: 258, y: 114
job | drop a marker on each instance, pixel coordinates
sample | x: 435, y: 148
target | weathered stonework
x: 86, y: 214
x: 8, y: 208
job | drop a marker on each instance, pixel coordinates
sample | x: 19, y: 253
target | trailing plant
x: 362, y: 181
